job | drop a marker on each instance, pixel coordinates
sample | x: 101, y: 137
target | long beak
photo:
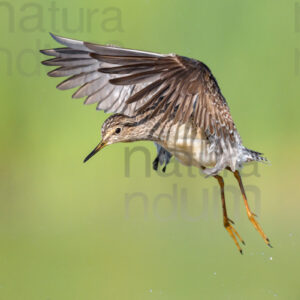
x: 98, y: 148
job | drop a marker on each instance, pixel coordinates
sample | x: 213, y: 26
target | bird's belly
x: 192, y: 152
x: 189, y: 145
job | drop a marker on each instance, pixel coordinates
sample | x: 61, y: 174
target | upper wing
x: 129, y: 81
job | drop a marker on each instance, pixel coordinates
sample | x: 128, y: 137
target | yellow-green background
x: 64, y: 230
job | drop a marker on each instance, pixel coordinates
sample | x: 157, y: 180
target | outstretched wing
x: 129, y: 81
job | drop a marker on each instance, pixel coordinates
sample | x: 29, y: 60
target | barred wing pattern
x: 129, y: 81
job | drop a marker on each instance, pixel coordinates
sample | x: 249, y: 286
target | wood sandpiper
x: 171, y: 100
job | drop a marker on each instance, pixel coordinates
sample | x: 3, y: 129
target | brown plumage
x: 148, y: 77
x: 171, y: 100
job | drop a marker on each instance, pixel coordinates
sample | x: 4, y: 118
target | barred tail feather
x: 255, y: 156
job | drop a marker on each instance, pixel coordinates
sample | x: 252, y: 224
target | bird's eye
x: 118, y: 130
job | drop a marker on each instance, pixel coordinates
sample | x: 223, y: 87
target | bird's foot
x: 155, y: 163
x: 252, y: 219
x: 233, y: 233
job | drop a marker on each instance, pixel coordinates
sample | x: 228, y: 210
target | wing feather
x: 129, y: 81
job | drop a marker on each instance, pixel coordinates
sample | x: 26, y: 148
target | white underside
x: 191, y: 147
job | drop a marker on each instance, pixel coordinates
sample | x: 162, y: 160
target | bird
x: 169, y: 99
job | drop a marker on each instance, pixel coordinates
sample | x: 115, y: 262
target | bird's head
x: 117, y: 128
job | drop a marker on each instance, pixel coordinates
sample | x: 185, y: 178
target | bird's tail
x: 254, y: 156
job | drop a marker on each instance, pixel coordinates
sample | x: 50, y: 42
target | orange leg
x: 250, y: 214
x: 231, y: 230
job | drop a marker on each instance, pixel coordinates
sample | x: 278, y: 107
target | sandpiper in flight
x: 171, y: 100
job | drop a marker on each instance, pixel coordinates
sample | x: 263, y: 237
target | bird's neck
x: 146, y: 129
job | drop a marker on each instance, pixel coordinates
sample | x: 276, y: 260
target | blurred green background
x: 106, y: 229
